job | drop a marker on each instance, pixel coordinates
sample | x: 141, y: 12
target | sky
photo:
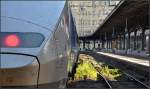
x: 45, y: 13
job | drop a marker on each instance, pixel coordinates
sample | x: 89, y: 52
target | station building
x: 125, y: 30
x: 90, y: 14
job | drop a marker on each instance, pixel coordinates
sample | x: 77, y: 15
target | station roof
x: 135, y: 12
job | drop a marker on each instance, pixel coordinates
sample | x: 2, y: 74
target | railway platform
x: 136, y: 61
x: 135, y: 66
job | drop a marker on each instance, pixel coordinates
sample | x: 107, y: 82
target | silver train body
x: 37, y: 57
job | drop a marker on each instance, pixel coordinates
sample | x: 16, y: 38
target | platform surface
x: 142, y: 62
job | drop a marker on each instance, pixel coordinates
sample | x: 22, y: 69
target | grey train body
x: 42, y: 66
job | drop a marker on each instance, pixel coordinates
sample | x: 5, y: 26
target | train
x: 34, y: 56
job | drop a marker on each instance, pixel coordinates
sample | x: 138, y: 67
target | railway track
x: 130, y: 83
x: 88, y: 84
x: 132, y: 78
x: 102, y: 83
x: 105, y: 80
x: 127, y: 82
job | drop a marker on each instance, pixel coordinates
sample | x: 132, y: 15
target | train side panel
x: 60, y: 50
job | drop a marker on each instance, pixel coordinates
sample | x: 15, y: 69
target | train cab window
x: 21, y: 39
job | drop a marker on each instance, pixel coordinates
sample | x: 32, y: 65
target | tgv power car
x: 32, y: 55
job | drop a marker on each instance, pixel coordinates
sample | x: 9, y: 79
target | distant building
x: 90, y: 14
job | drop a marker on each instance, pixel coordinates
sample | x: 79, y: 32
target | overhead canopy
x: 128, y: 13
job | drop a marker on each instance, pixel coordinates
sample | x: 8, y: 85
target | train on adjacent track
x: 35, y: 56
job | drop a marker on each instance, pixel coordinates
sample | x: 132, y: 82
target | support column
x: 149, y: 43
x: 143, y: 37
x: 128, y: 41
x: 124, y: 42
x: 88, y: 45
x: 116, y: 41
x: 94, y: 44
x: 127, y: 36
x: 135, y: 40
x: 119, y: 41
x: 111, y: 43
x: 83, y: 44
x: 102, y: 44
x: 79, y: 44
x: 107, y: 42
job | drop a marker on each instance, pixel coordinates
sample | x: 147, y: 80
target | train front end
x: 18, y: 70
x: 21, y: 42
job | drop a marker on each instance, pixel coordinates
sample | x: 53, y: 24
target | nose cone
x: 15, y: 61
x: 18, y: 70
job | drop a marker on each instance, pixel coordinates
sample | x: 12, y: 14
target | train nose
x: 18, y: 70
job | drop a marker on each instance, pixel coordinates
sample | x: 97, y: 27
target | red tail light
x: 12, y: 40
x: 20, y: 39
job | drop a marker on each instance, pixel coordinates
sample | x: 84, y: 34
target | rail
x: 105, y: 79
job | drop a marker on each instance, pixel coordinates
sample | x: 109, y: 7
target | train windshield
x: 21, y: 39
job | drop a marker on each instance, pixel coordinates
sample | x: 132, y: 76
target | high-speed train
x: 33, y: 55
